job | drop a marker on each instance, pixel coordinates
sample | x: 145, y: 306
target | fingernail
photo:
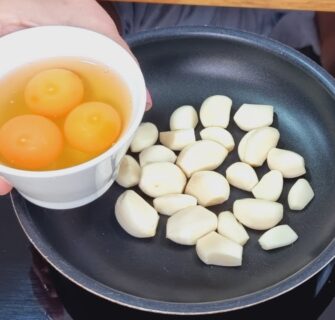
x: 5, y: 187
x: 149, y: 101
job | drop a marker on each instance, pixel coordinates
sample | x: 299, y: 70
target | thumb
x: 5, y: 187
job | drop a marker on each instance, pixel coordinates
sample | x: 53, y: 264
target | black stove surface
x: 31, y: 289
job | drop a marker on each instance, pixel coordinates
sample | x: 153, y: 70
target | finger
x: 5, y: 186
x: 149, y: 101
x: 9, y: 29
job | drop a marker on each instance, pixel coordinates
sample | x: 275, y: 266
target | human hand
x: 17, y: 15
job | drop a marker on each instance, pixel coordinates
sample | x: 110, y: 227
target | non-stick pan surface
x: 184, y: 66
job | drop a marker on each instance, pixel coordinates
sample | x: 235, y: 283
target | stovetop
x: 31, y: 289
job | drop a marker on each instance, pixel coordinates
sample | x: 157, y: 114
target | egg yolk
x: 92, y: 127
x: 30, y: 142
x: 54, y: 92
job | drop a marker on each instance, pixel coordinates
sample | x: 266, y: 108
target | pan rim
x: 190, y: 308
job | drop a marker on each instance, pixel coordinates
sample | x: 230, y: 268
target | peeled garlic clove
x: 300, y: 195
x: 177, y: 140
x: 230, y: 228
x: 201, y: 155
x: 270, y: 186
x: 129, y: 172
x: 258, y: 145
x: 277, y: 237
x: 184, y: 117
x: 161, y: 178
x: 188, y: 225
x: 215, y: 111
x: 172, y: 203
x: 253, y: 116
x: 209, y: 187
x: 218, y: 135
x: 289, y: 163
x: 242, y: 176
x: 156, y: 153
x: 145, y: 136
x: 258, y: 214
x: 243, y: 144
x: 215, y: 249
x: 135, y: 215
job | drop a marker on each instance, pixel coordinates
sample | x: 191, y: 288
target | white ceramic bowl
x: 81, y: 184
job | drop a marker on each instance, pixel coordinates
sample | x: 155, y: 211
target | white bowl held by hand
x: 81, y: 184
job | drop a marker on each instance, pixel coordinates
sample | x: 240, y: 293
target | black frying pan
x: 183, y: 66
